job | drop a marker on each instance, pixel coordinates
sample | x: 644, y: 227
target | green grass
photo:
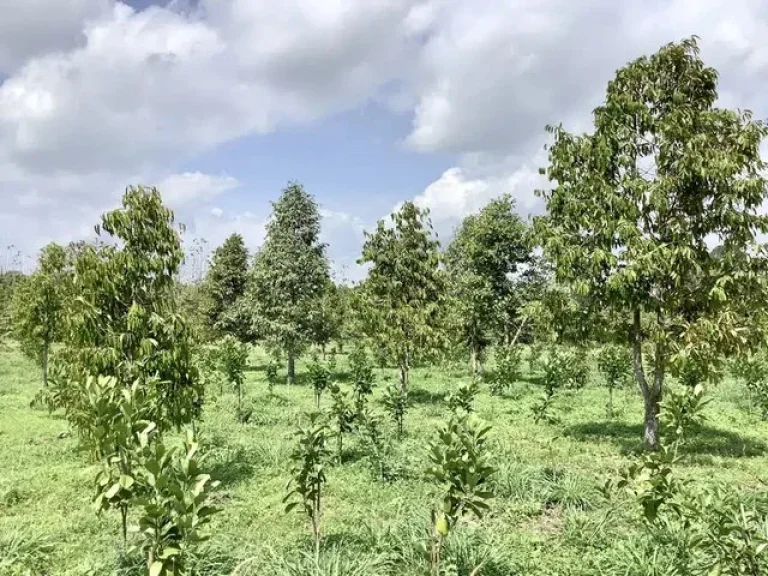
x: 549, y: 517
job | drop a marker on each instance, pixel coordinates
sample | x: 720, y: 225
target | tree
x: 404, y: 292
x: 289, y: 275
x: 329, y: 317
x: 233, y: 358
x: 38, y: 306
x: 482, y: 264
x: 10, y: 281
x: 123, y: 321
x: 225, y: 284
x: 635, y: 203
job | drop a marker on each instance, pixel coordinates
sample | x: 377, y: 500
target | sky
x: 368, y: 103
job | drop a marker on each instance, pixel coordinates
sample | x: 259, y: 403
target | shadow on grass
x: 706, y: 440
x: 232, y: 466
x: 256, y: 368
x: 421, y: 396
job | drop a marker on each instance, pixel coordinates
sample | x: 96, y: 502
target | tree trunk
x: 404, y: 373
x: 473, y: 363
x: 610, y: 403
x: 651, y: 430
x: 45, y: 364
x: 652, y: 392
x: 291, y: 368
x: 323, y: 348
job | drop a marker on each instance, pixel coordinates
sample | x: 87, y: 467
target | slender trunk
x: 316, y: 529
x: 610, y: 403
x: 404, y: 373
x: 340, y: 446
x: 45, y: 364
x: 473, y: 363
x: 322, y: 346
x: 124, y: 524
x: 651, y: 392
x: 239, y: 400
x: 291, y: 368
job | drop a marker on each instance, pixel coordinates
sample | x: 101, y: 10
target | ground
x: 549, y: 517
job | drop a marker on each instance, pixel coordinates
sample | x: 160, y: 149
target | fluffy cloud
x: 97, y: 94
x: 30, y: 28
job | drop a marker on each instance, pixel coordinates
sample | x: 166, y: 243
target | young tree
x: 636, y: 202
x: 233, y: 356
x: 482, y: 262
x: 404, y: 292
x: 38, y: 306
x: 289, y: 275
x: 123, y: 321
x: 225, y: 284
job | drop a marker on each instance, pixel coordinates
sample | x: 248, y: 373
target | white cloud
x: 180, y: 190
x: 30, y: 28
x: 98, y: 95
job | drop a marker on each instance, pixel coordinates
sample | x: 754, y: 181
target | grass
x: 549, y: 517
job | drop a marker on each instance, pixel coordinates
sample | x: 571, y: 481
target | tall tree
x: 483, y: 263
x: 289, y: 275
x: 635, y: 203
x: 404, y: 292
x: 225, y: 285
x: 38, y: 306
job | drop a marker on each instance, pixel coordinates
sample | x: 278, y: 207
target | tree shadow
x: 232, y: 466
x: 422, y: 396
x: 705, y: 440
x: 255, y: 368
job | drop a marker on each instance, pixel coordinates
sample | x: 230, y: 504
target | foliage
x: 209, y: 368
x: 634, y: 203
x: 377, y: 447
x: 331, y: 313
x: 224, y: 285
x: 174, y: 503
x: 752, y: 369
x: 306, y: 486
x: 482, y: 263
x: 233, y: 358
x: 563, y: 367
x: 404, y: 292
x: 271, y: 373
x: 342, y: 417
x: 10, y: 280
x: 507, y: 371
x: 362, y: 377
x: 38, y: 307
x: 396, y: 402
x: 463, y: 398
x: 319, y: 378
x: 289, y: 275
x: 460, y: 467
x: 123, y: 321
x: 615, y: 365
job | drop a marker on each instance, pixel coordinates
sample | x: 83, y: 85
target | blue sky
x: 220, y: 102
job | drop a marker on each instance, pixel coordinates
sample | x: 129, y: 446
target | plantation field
x: 548, y: 517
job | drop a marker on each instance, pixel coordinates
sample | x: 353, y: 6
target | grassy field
x: 548, y: 518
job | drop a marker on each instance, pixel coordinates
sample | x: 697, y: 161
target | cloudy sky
x: 366, y: 102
